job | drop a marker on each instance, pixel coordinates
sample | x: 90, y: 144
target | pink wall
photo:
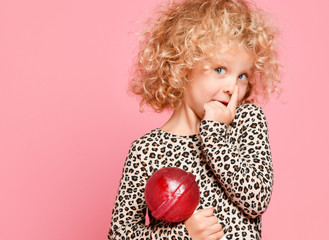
x: 66, y: 121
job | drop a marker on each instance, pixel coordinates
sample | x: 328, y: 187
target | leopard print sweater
x: 231, y: 164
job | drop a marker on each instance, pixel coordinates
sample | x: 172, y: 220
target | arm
x: 128, y: 215
x: 241, y: 159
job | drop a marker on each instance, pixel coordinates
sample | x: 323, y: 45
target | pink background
x: 66, y: 121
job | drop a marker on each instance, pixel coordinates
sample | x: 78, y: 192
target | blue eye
x: 243, y: 76
x: 220, y: 70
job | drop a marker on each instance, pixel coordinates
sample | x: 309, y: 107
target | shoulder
x: 249, y: 115
x: 144, y: 142
x: 249, y: 107
x: 249, y: 110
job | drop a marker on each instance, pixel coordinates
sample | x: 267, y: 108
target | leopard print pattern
x: 232, y: 166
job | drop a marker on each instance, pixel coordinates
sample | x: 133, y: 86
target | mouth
x: 224, y: 103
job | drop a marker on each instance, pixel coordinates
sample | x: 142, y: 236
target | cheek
x: 206, y: 92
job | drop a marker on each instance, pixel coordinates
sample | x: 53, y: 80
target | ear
x: 186, y: 73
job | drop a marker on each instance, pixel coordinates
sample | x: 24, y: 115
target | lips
x: 224, y: 103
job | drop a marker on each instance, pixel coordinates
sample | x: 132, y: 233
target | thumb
x: 207, y: 212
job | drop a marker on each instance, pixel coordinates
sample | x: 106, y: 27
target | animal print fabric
x: 231, y: 164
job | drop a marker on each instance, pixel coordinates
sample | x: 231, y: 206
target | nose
x: 230, y: 85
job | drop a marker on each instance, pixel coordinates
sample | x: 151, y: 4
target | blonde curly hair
x: 188, y: 31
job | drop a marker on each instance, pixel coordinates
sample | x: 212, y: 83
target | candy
x: 172, y: 194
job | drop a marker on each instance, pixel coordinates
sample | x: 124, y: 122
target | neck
x: 182, y: 122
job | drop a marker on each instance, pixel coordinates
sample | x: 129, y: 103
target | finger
x: 215, y: 105
x: 214, y: 228
x: 207, y: 105
x: 206, y: 212
x: 234, y: 100
x: 218, y: 104
x: 212, y: 106
x: 212, y: 220
x: 217, y: 235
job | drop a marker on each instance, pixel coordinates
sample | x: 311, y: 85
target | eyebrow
x: 249, y: 69
x: 246, y: 70
x: 219, y: 62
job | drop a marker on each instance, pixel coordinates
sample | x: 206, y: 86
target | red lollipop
x: 172, y: 194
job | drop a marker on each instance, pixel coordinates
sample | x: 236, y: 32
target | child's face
x: 216, y: 81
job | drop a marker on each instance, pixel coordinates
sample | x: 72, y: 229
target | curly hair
x: 189, y: 31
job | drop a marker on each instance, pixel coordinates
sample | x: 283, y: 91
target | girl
x: 207, y: 60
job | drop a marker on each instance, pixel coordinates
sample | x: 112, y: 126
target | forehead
x: 232, y: 54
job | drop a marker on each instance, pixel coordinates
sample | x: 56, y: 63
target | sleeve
x: 128, y: 215
x: 240, y: 157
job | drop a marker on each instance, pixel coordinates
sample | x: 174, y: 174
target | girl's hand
x: 217, y: 111
x: 203, y: 225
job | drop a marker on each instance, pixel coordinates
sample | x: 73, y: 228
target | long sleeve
x: 240, y: 157
x: 128, y: 215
